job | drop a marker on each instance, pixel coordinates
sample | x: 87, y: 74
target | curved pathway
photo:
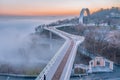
x: 60, y: 66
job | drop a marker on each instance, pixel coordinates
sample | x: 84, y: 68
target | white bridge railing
x: 64, y: 25
x: 53, y: 60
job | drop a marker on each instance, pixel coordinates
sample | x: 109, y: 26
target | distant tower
x: 81, y: 17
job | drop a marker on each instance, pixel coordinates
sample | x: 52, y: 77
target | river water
x: 5, y: 77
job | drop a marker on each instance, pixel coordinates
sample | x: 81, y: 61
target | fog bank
x: 21, y: 52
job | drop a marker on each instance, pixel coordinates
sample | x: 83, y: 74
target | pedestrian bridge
x: 60, y: 66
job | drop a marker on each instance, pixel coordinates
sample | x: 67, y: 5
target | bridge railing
x: 45, y: 71
x: 64, y: 25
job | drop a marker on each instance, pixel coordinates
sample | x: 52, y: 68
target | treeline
x: 21, y: 70
x: 102, y: 41
x: 110, y: 16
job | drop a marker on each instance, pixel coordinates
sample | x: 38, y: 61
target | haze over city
x: 52, y: 7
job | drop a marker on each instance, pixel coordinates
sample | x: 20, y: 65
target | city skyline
x: 52, y: 7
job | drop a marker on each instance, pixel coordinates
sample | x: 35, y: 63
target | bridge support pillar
x: 50, y: 34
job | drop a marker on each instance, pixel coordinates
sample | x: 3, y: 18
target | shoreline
x: 18, y: 75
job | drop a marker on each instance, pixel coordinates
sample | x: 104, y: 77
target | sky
x: 52, y: 7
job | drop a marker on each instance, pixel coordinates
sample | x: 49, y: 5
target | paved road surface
x: 59, y: 70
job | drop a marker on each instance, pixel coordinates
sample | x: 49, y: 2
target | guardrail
x: 64, y: 25
x: 43, y: 74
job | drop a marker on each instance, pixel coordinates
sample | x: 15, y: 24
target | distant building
x: 99, y: 64
x: 115, y: 15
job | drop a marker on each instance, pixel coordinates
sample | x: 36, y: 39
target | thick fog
x: 18, y: 48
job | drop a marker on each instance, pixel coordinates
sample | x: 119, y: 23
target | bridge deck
x: 61, y: 64
x: 60, y: 68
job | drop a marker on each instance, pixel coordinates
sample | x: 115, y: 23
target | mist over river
x: 18, y: 53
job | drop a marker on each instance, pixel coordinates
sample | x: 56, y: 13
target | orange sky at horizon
x: 55, y: 7
x: 46, y: 13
